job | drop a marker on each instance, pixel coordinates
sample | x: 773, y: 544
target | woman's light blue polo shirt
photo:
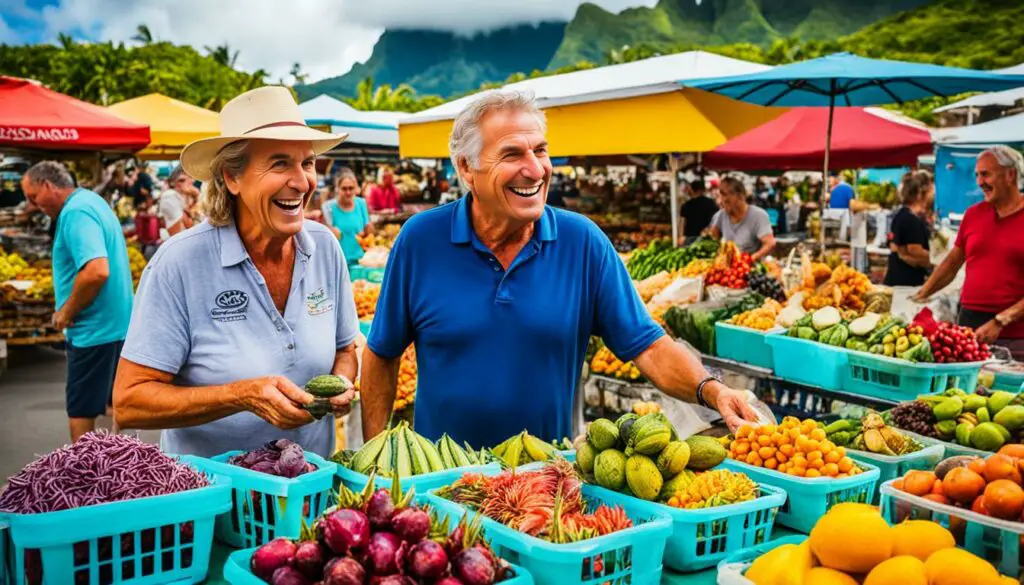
x: 203, y: 313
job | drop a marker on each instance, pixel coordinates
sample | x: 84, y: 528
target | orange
x: 920, y: 538
x: 813, y: 473
x: 899, y: 570
x: 741, y: 448
x: 764, y: 440
x: 826, y: 576
x: 830, y: 469
x: 1004, y: 499
x: 815, y: 456
x: 818, y: 434
x: 918, y: 482
x: 781, y: 457
x: 1001, y: 467
x: 852, y: 539
x: 832, y: 457
x: 771, y: 463
x: 954, y: 566
x: 845, y: 464
x: 962, y: 485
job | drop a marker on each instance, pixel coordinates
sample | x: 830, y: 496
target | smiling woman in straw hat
x: 234, y: 316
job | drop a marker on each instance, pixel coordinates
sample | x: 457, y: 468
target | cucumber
x: 420, y: 464
x: 403, y: 460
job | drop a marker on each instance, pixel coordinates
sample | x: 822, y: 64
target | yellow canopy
x: 686, y: 120
x: 172, y: 123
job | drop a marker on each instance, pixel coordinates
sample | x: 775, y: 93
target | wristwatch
x: 1003, y: 320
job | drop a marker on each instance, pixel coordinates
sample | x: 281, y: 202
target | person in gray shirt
x: 748, y: 226
x: 235, y: 315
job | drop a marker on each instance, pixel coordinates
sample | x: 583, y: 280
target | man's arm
x: 145, y: 398
x: 88, y: 283
x: 677, y: 372
x: 379, y: 384
x: 767, y: 245
x: 990, y: 331
x: 915, y: 255
x: 858, y: 206
x: 943, y: 275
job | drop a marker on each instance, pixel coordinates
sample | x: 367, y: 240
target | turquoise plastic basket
x: 265, y: 506
x: 744, y: 345
x: 891, y: 467
x: 4, y: 536
x: 808, y: 362
x: 148, y: 541
x: 364, y: 328
x: 702, y: 538
x: 997, y: 541
x: 894, y: 379
x: 1009, y: 381
x: 731, y: 569
x: 423, y: 483
x: 634, y: 555
x: 810, y: 499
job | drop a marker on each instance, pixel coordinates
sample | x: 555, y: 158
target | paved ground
x: 32, y: 418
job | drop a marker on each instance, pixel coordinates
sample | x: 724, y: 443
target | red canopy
x: 32, y: 116
x: 796, y: 141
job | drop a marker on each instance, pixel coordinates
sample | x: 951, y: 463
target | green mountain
x: 593, y: 31
x: 445, y: 63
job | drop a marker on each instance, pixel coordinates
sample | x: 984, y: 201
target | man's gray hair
x: 52, y: 172
x: 466, y: 141
x: 1008, y: 158
x: 175, y: 175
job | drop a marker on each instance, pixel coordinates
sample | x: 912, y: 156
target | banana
x: 458, y: 453
x: 420, y: 465
x: 367, y: 455
x: 433, y: 458
x: 537, y: 450
x: 385, y: 461
x: 446, y: 454
x: 403, y: 461
x: 513, y: 452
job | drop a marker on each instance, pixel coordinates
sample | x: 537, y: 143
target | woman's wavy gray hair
x: 466, y: 142
x: 218, y: 204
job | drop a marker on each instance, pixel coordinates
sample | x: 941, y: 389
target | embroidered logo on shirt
x: 318, y: 303
x: 231, y: 306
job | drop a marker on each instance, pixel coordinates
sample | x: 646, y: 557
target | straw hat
x: 268, y: 113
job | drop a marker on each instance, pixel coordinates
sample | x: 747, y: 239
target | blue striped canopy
x: 844, y: 79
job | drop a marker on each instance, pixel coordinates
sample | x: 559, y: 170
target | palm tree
x: 66, y: 40
x: 143, y: 35
x: 297, y: 74
x: 383, y: 97
x: 222, y: 54
x: 258, y: 78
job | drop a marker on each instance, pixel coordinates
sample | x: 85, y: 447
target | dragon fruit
x: 411, y: 524
x: 344, y: 530
x: 473, y: 567
x: 427, y: 560
x: 270, y: 557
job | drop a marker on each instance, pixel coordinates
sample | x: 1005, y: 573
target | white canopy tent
x: 1008, y: 130
x: 366, y: 128
x: 1003, y: 99
x: 645, y: 77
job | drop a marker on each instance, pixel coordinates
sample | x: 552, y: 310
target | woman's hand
x: 277, y: 400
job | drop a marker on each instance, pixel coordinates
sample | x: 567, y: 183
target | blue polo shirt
x: 841, y: 196
x: 501, y: 351
x: 204, y: 313
x: 87, y: 229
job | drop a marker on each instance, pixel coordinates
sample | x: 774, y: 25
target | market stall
x: 173, y: 123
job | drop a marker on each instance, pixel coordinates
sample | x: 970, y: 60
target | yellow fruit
x: 846, y: 507
x: 899, y: 570
x: 826, y: 576
x: 768, y: 567
x: 852, y: 540
x: 920, y: 538
x: 954, y: 566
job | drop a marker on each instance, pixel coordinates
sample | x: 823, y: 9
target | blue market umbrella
x: 849, y: 80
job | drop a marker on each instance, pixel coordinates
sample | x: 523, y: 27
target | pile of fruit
x: 661, y: 255
x: 765, y: 284
x: 11, y: 265
x: 762, y: 318
x: 870, y: 332
x: 698, y: 267
x: 365, y: 294
x: 716, y: 487
x: 137, y: 263
x: 853, y: 544
x: 546, y: 503
x: 792, y: 447
x: 730, y: 268
x: 902, y: 342
x: 954, y: 343
x: 524, y: 448
x: 989, y: 486
x: 606, y: 364
x: 380, y: 538
x: 643, y: 456
x: 42, y: 287
x: 843, y: 288
x: 971, y: 420
x: 401, y: 451
x: 408, y: 375
x: 871, y: 433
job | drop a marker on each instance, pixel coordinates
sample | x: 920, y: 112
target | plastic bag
x: 943, y: 304
x: 732, y: 574
x: 722, y: 293
x: 682, y: 291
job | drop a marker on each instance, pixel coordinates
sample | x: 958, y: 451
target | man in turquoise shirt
x: 93, y: 287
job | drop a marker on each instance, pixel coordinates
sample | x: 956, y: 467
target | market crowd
x: 248, y: 293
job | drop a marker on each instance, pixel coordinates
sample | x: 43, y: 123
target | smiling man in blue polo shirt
x: 500, y: 294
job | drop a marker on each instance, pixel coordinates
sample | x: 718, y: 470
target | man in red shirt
x: 991, y: 242
x: 384, y: 197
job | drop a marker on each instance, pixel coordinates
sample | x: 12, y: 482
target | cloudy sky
x: 325, y: 36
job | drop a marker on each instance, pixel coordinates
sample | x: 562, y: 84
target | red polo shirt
x: 994, y: 249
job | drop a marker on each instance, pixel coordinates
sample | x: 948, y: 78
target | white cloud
x: 325, y: 36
